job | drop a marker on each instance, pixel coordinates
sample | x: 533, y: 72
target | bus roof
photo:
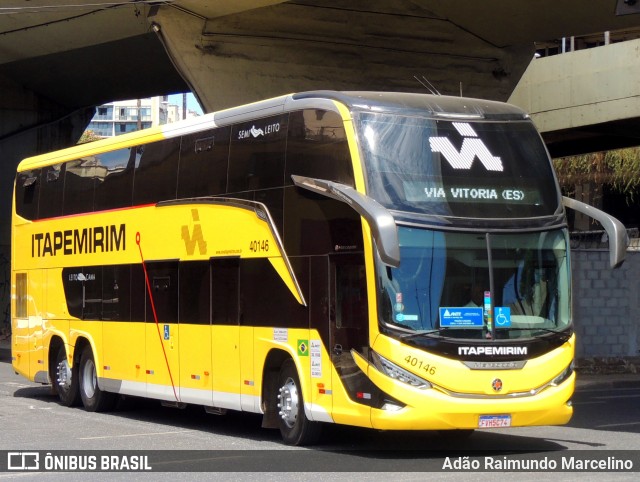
x: 393, y: 102
x: 436, y: 105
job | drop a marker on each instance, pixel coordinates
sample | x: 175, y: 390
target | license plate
x: 494, y: 421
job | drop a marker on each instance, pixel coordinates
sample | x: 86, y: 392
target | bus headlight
x: 566, y: 373
x: 394, y: 371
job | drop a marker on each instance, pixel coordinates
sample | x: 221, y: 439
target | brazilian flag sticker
x: 303, y: 347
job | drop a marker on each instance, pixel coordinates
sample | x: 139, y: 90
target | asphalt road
x: 606, y: 423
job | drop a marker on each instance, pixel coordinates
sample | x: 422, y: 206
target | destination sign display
x: 420, y: 191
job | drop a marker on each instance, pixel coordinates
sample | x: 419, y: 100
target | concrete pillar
x: 28, y: 126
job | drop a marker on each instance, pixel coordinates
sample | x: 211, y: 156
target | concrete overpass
x: 60, y: 59
x: 586, y: 100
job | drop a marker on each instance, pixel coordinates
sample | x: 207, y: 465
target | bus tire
x: 66, y: 379
x: 295, y: 427
x: 93, y: 399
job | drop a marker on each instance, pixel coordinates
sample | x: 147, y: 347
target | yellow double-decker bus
x: 384, y: 260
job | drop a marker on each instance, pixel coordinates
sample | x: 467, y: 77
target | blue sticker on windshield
x: 502, y: 316
x: 461, y: 317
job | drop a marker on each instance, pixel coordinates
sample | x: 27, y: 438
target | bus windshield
x: 473, y: 169
x: 443, y: 284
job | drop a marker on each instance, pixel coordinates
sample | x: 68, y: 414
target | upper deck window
x: 480, y: 169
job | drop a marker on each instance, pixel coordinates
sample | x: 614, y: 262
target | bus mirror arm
x: 382, y: 224
x: 617, y: 233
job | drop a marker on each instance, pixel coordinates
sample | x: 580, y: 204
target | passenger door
x: 162, y: 338
x: 349, y: 325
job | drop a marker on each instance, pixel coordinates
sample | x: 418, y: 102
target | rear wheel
x: 93, y: 399
x: 65, y: 379
x: 295, y: 427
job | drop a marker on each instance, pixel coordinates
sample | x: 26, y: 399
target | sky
x: 192, y: 103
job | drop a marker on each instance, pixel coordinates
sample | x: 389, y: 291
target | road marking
x: 135, y: 435
x: 620, y: 389
x: 614, y: 397
x: 18, y: 385
x: 617, y: 424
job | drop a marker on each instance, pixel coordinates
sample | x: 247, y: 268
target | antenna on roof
x: 428, y: 85
x: 432, y: 86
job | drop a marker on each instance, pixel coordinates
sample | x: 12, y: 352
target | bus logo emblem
x: 191, y: 239
x: 472, y: 147
x: 496, y: 385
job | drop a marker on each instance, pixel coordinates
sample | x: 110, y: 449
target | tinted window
x: 116, y: 293
x: 265, y: 299
x: 156, y: 175
x: 256, y: 159
x: 51, y: 191
x: 163, y: 279
x: 315, y: 224
x: 204, y: 159
x: 465, y: 169
x: 114, y: 179
x: 83, y: 291
x: 27, y: 193
x: 318, y: 298
x: 139, y: 294
x: 224, y: 291
x: 194, y: 293
x: 78, y: 185
x: 273, y: 199
x: 92, y: 302
x: 317, y: 147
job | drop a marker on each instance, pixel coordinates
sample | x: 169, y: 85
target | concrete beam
x: 263, y: 53
x: 584, y: 100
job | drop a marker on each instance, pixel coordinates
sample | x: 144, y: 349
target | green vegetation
x: 619, y: 169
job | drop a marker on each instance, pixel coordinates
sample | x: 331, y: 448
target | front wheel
x: 93, y: 399
x: 65, y: 379
x: 295, y: 427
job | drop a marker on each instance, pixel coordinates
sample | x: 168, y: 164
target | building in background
x: 120, y: 117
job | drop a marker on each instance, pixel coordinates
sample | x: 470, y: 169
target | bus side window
x: 83, y: 291
x: 204, y: 159
x: 314, y: 224
x: 351, y: 296
x: 92, y: 302
x: 78, y: 185
x: 256, y: 156
x: 51, y: 191
x: 155, y: 177
x: 114, y: 179
x: 195, y: 288
x: 317, y: 147
x: 163, y: 278
x: 116, y: 293
x: 225, y: 286
x: 27, y: 194
x: 264, y: 296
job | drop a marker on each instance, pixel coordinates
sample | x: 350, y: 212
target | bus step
x: 215, y: 410
x: 179, y: 405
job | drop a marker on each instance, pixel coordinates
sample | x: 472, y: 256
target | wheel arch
x: 272, y: 364
x: 55, y: 343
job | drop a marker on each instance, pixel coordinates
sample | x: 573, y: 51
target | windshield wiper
x: 428, y: 334
x: 518, y: 328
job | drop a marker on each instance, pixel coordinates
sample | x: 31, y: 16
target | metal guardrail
x: 598, y: 239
